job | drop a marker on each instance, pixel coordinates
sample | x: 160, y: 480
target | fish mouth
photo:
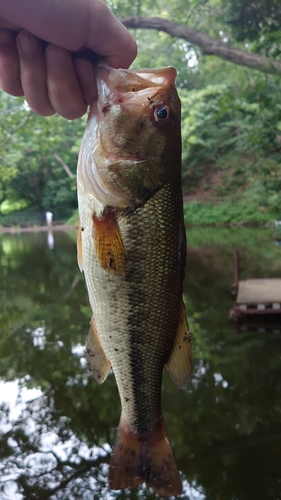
x: 116, y: 82
x: 132, y: 90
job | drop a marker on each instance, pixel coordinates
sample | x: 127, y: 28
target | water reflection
x: 57, y: 426
x: 50, y: 240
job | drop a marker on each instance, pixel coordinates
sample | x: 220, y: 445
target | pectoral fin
x: 97, y: 361
x: 79, y: 249
x: 179, y: 362
x: 108, y: 242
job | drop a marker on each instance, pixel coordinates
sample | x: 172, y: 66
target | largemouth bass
x: 131, y: 246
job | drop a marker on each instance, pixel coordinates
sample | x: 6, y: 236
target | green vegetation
x: 231, y: 118
x: 38, y: 159
x: 224, y: 213
x: 231, y: 148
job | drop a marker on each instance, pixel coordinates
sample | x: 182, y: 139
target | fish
x: 131, y: 246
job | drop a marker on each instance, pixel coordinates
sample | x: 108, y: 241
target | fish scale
x: 146, y: 305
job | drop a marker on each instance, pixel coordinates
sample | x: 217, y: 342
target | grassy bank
x: 228, y: 212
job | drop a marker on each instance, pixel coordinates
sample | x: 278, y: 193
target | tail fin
x: 144, y: 458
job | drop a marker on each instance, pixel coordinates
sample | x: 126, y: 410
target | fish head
x: 137, y: 146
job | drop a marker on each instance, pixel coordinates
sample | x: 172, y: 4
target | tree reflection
x: 225, y: 426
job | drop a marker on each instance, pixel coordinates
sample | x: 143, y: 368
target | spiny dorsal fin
x: 179, y: 362
x: 97, y: 361
x: 108, y: 242
x: 79, y: 248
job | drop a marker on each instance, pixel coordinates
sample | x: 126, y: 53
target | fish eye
x: 162, y: 114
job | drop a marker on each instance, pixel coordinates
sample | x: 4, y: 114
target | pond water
x: 57, y: 425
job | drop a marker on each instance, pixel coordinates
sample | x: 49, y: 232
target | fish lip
x: 147, y: 78
x: 114, y: 159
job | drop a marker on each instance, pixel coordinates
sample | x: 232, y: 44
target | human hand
x: 50, y: 76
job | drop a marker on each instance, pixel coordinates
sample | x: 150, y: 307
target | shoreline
x: 37, y: 229
x: 72, y: 227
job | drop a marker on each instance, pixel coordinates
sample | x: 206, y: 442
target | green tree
x: 38, y: 157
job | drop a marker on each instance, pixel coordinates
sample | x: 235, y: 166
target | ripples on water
x: 57, y: 425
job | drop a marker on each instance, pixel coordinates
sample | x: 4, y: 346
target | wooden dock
x: 257, y: 296
x: 260, y: 291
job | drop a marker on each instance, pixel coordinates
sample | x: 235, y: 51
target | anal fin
x: 97, y: 361
x: 179, y: 362
x: 108, y: 242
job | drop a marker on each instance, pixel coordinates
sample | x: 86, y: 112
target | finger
x: 86, y: 23
x: 9, y: 63
x: 123, y: 55
x: 86, y: 77
x: 64, y: 91
x: 6, y: 24
x: 33, y: 73
x: 103, y: 29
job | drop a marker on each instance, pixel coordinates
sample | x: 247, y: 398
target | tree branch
x: 65, y: 166
x: 208, y: 44
x: 9, y: 135
x: 84, y: 466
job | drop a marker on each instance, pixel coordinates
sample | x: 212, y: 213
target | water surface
x: 57, y: 425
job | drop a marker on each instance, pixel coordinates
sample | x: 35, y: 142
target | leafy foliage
x: 33, y: 149
x: 257, y: 22
x: 224, y: 213
x: 232, y: 129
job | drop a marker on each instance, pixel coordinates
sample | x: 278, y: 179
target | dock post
x: 236, y: 269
